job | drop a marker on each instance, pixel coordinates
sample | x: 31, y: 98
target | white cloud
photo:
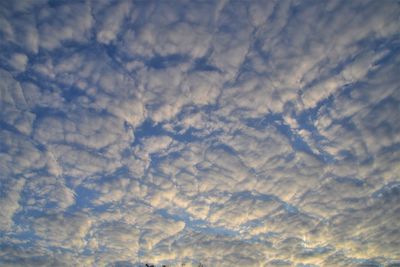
x: 67, y: 231
x: 64, y: 23
x: 19, y: 61
x: 10, y: 202
x: 229, y: 133
x: 48, y: 193
x: 14, y: 105
x: 118, y: 241
x: 157, y: 229
x: 111, y: 23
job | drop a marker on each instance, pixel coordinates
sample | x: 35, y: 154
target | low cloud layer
x: 227, y: 133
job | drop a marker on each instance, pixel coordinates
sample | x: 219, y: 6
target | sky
x: 227, y: 133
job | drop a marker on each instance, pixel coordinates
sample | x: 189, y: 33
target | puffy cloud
x: 114, y: 242
x: 19, y: 156
x: 111, y: 22
x: 157, y: 229
x: 227, y: 133
x: 48, y: 193
x: 64, y: 23
x: 63, y: 230
x: 19, y: 61
x: 164, y: 32
x: 11, y: 194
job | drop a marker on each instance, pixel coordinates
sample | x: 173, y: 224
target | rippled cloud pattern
x: 222, y: 133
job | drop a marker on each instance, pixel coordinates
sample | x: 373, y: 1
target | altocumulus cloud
x: 231, y: 133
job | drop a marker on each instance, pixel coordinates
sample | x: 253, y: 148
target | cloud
x: 163, y: 31
x: 11, y: 194
x: 62, y: 230
x: 158, y: 229
x: 48, y: 193
x: 19, y: 61
x: 64, y: 23
x: 228, y: 133
x: 111, y: 23
x: 115, y: 242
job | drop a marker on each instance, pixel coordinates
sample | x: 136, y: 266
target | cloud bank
x: 227, y: 133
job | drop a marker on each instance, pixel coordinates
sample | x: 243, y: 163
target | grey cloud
x: 16, y: 256
x: 11, y: 194
x: 229, y: 133
x: 48, y: 193
x: 111, y: 23
x: 19, y: 61
x: 114, y: 242
x: 64, y: 23
x: 63, y: 230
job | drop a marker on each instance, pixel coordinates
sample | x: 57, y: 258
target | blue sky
x: 231, y: 133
